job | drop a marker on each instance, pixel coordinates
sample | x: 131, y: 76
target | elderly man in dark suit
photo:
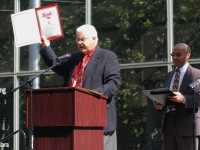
x: 178, y: 113
x: 93, y: 68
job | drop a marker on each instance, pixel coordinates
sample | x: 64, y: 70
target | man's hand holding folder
x: 177, y: 97
x: 160, y: 95
x: 157, y: 105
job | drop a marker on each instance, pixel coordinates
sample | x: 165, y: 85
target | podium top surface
x: 88, y: 91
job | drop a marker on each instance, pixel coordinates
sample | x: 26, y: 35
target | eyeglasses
x: 177, y: 55
x: 82, y: 40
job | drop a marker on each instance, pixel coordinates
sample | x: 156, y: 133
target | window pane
x: 6, y: 111
x: 136, y: 115
x: 6, y: 42
x: 136, y: 31
x: 186, y: 25
x: 196, y: 66
x: 7, y: 5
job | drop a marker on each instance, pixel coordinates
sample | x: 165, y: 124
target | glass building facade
x: 141, y: 32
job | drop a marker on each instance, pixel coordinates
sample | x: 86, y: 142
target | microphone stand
x: 192, y: 86
x: 30, y: 82
x: 194, y: 122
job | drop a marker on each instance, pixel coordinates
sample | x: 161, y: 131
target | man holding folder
x: 178, y: 112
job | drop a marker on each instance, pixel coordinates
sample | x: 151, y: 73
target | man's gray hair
x: 88, y: 30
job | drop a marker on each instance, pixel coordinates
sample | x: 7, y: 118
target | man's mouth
x: 81, y: 46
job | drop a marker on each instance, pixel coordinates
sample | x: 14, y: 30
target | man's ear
x: 188, y: 55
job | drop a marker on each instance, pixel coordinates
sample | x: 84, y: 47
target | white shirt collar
x: 184, y: 68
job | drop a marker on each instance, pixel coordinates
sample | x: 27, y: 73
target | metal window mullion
x: 170, y: 31
x: 16, y: 84
x: 34, y: 55
x: 88, y: 12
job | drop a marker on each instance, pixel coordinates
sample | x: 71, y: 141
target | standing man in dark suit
x: 178, y: 113
x: 92, y: 68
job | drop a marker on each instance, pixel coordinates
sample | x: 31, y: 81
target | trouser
x: 172, y: 140
x: 110, y: 140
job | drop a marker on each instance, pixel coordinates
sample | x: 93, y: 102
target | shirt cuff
x: 183, y: 101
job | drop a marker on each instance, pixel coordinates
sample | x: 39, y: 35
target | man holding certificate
x: 92, y: 68
x: 178, y: 112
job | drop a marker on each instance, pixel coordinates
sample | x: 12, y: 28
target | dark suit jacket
x: 184, y: 112
x: 101, y: 74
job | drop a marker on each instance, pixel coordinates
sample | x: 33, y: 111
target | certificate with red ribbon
x: 49, y: 21
x: 30, y: 25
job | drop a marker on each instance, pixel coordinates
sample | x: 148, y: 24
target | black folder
x: 159, y: 95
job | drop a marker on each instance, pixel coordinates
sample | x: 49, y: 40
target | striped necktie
x: 81, y: 71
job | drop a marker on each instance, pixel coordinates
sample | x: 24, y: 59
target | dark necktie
x: 174, y: 89
x: 176, y: 81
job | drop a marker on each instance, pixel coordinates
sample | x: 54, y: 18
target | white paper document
x: 25, y: 28
x: 30, y: 25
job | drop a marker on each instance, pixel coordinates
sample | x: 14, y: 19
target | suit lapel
x: 186, y: 79
x: 168, y: 81
x: 91, y: 64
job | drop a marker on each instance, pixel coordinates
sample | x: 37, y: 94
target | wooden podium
x: 66, y: 118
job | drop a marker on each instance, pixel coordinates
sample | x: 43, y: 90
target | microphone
x: 59, y: 59
x: 194, y: 83
x: 64, y: 57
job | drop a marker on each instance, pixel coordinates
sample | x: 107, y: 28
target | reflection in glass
x: 136, y: 114
x: 186, y: 25
x: 196, y: 66
x: 136, y: 31
x: 6, y: 42
x: 6, y: 110
x: 7, y: 5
